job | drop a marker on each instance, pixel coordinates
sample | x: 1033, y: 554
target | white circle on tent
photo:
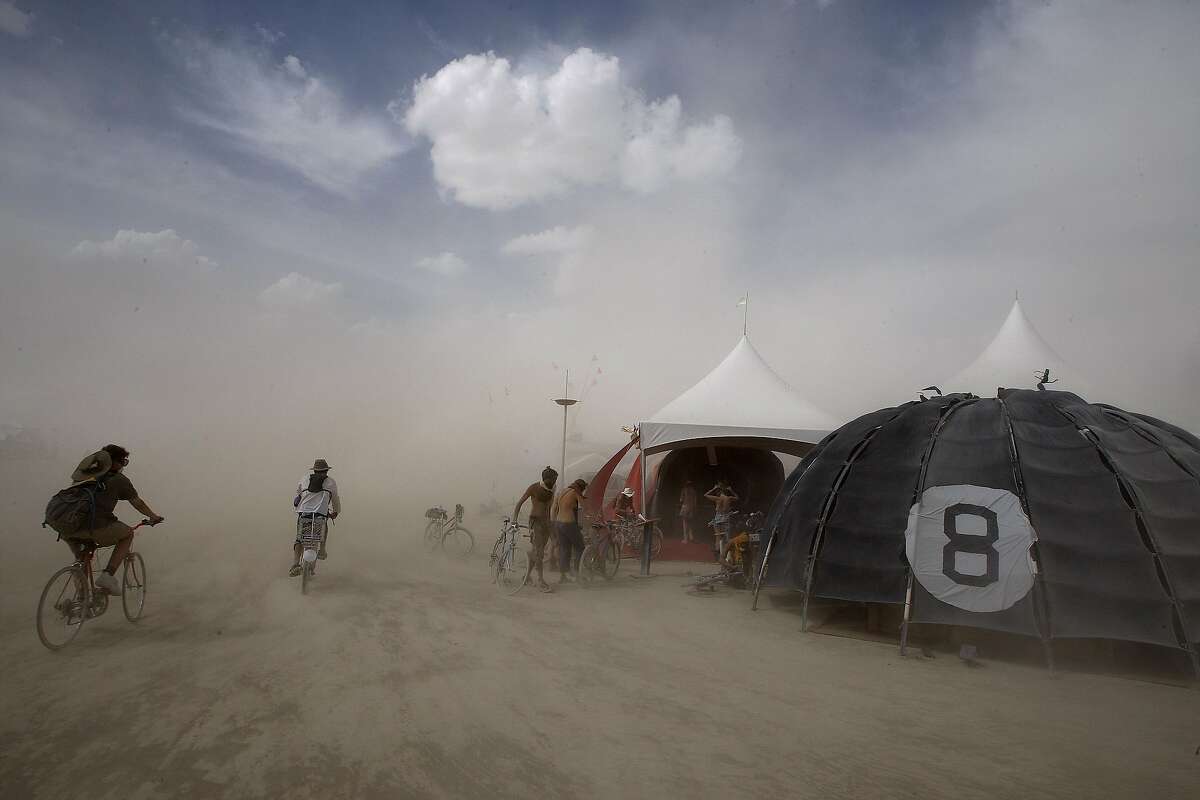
x: 969, y: 546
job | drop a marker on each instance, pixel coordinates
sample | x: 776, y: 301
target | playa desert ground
x: 407, y: 675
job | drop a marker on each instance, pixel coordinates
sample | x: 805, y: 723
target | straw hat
x: 92, y: 467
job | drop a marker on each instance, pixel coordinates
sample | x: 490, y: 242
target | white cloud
x: 163, y: 247
x: 294, y: 68
x: 296, y: 291
x: 557, y: 240
x: 267, y: 35
x: 446, y: 263
x: 500, y: 139
x: 285, y: 114
x: 14, y: 21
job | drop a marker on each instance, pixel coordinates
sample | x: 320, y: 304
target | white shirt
x: 318, y: 502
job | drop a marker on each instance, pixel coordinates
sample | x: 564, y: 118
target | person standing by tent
x: 566, y: 525
x: 540, y: 494
x: 688, y: 500
x: 723, y: 497
x: 316, y: 502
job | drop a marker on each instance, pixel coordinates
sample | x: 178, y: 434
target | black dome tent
x: 1032, y: 513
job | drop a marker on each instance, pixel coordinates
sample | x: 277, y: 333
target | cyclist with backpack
x: 84, y: 511
x: 316, y: 502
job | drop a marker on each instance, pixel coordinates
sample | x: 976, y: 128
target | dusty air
x: 599, y: 400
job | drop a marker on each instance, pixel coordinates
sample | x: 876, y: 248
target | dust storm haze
x: 238, y: 238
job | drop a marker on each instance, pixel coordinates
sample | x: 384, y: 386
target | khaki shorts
x: 105, y: 536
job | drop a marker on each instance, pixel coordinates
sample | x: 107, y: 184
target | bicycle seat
x: 82, y: 547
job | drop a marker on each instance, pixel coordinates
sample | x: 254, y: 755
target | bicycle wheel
x: 62, y: 608
x: 133, y: 586
x: 587, y: 565
x: 612, y: 561
x: 458, y: 542
x: 512, y: 571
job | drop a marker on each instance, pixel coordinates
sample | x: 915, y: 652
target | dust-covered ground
x: 406, y: 675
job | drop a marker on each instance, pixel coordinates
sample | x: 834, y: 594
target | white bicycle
x: 510, y: 560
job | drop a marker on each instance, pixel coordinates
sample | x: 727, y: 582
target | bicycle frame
x: 448, y: 522
x: 86, y: 560
x: 508, y: 541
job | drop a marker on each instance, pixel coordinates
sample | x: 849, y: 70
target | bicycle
x: 509, y: 563
x: 631, y: 536
x: 71, y: 598
x: 447, y: 533
x: 736, y: 569
x: 308, y: 558
x: 602, y: 555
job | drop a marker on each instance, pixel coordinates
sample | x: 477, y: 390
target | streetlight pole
x: 566, y: 403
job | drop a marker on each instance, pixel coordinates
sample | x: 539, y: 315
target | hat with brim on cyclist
x: 94, y: 466
x: 321, y: 465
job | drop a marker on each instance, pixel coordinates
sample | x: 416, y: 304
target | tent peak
x: 743, y: 391
x: 1011, y: 359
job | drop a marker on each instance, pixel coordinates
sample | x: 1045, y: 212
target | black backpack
x: 316, y: 482
x: 73, y: 509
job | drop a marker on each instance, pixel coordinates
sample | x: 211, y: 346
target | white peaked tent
x: 1015, y: 354
x: 742, y: 402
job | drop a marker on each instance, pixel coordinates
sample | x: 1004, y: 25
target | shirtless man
x: 540, y: 495
x: 723, y: 497
x: 687, y: 509
x: 566, y: 512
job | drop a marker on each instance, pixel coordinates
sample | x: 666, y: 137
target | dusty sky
x: 380, y: 232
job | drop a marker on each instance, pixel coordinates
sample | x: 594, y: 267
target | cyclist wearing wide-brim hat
x: 316, y: 502
x: 105, y: 467
x: 624, y: 504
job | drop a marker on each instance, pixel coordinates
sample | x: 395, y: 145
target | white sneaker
x: 108, y: 583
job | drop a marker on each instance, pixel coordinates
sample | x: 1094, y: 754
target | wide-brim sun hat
x: 92, y: 467
x: 321, y: 465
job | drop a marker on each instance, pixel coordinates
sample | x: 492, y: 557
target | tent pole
x: 810, y: 567
x: 1133, y: 499
x: 808, y: 571
x: 918, y: 490
x: 647, y: 527
x: 908, y: 593
x: 762, y: 568
x: 1041, y: 605
x: 1153, y: 437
